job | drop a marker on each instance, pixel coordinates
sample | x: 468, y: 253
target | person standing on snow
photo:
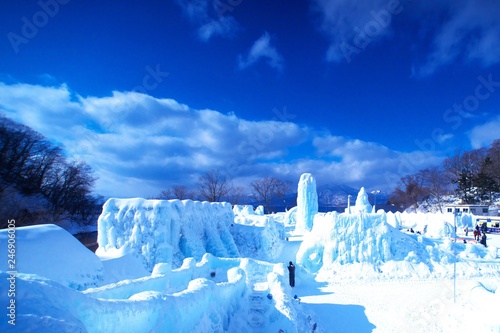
x: 291, y: 273
x: 483, y: 239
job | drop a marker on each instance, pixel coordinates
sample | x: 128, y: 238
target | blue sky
x: 154, y: 93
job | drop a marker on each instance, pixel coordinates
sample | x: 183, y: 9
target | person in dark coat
x: 291, y: 274
x: 483, y: 239
x: 477, y: 233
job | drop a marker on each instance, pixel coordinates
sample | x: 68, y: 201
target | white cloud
x: 130, y: 136
x: 262, y: 49
x: 139, y: 145
x: 483, y: 135
x: 470, y: 33
x: 458, y: 30
x: 210, y: 17
x: 368, y: 163
x: 224, y: 26
x: 352, y: 25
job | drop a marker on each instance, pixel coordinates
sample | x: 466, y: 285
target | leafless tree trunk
x: 213, y: 185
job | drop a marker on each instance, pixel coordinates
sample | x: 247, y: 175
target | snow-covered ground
x: 183, y: 266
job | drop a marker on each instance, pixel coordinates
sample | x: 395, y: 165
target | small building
x: 481, y: 210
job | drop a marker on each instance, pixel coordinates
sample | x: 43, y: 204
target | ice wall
x: 355, y: 244
x: 307, y: 203
x: 162, y: 231
x: 258, y: 236
x: 365, y: 245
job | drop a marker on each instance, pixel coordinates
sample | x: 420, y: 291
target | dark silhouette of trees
x: 410, y: 191
x: 37, y: 183
x: 464, y: 167
x: 266, y: 189
x: 213, y: 185
x: 436, y: 184
x: 474, y: 176
x: 236, y: 195
x: 180, y: 192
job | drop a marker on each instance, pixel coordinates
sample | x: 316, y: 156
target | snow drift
x: 50, y: 251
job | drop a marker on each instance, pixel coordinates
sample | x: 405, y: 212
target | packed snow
x: 185, y: 266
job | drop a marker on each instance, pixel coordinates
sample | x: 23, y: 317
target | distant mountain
x: 331, y: 197
x: 335, y: 195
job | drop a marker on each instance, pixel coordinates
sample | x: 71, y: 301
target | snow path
x: 386, y: 307
x: 402, y: 305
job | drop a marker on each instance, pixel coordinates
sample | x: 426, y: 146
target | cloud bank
x: 139, y: 145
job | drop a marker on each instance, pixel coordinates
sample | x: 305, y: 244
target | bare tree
x: 180, y: 192
x: 410, y: 191
x: 213, y: 185
x: 283, y: 188
x: 437, y: 183
x: 236, y: 194
x: 269, y: 188
x: 165, y: 194
x: 36, y: 172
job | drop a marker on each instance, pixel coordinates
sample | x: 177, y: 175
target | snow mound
x: 121, y: 264
x: 162, y: 231
x: 50, y: 251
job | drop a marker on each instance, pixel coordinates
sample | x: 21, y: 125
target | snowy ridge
x: 162, y: 231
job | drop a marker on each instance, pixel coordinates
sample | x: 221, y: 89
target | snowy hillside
x: 184, y: 266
